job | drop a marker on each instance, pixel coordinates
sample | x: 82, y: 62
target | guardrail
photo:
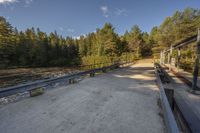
x: 42, y: 83
x: 168, y: 114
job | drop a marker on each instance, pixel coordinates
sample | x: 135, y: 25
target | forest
x: 36, y: 48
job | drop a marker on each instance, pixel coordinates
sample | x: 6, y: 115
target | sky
x: 79, y: 17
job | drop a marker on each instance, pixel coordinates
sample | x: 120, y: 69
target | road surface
x: 121, y: 101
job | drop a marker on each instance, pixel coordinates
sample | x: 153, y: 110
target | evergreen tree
x: 135, y: 42
x: 107, y: 40
x: 7, y: 48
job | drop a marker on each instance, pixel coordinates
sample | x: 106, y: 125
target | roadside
x: 11, y: 77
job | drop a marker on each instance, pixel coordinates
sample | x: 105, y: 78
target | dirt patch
x: 11, y: 77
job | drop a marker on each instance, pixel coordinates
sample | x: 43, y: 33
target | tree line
x: 181, y: 25
x: 35, y: 48
x: 175, y: 28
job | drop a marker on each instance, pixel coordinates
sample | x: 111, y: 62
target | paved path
x: 121, y: 101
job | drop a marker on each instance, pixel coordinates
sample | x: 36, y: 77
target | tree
x: 42, y: 57
x: 83, y: 46
x: 147, y: 45
x: 135, y: 42
x: 108, y: 41
x: 7, y: 48
x: 73, y: 54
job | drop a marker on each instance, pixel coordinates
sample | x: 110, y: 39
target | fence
x: 167, y: 111
x: 48, y: 82
x: 174, y: 59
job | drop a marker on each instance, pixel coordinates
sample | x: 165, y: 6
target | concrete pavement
x: 121, y: 101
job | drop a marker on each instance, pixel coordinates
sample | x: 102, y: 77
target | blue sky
x: 78, y: 17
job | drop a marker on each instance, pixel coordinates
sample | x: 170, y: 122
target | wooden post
x: 104, y: 70
x: 92, y: 74
x: 168, y: 59
x: 161, y: 57
x: 164, y: 57
x: 72, y: 81
x: 171, y: 51
x: 196, y: 67
x: 126, y: 58
x: 179, y: 56
x: 36, y: 92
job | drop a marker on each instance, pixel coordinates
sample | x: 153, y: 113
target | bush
x: 99, y: 61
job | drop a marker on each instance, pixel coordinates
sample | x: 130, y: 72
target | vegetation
x: 179, y: 26
x: 33, y: 47
x: 175, y: 29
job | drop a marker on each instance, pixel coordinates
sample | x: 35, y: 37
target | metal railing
x: 46, y: 82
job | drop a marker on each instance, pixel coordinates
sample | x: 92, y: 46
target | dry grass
x: 10, y: 77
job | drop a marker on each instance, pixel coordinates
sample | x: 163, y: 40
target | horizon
x: 96, y: 13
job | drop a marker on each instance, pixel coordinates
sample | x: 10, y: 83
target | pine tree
x: 136, y: 41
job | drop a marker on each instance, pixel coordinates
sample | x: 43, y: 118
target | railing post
x: 179, y: 56
x: 171, y: 51
x: 196, y: 67
x: 126, y: 58
x: 163, y: 56
x: 168, y: 60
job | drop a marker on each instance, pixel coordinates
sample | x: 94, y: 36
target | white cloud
x: 78, y: 37
x: 7, y: 1
x: 70, y: 30
x: 28, y: 2
x: 105, y: 11
x: 61, y: 28
x: 121, y: 12
x: 25, y: 3
x: 117, y: 12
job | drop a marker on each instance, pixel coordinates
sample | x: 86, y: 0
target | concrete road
x: 121, y: 101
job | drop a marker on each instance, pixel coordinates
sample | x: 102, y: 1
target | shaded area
x: 188, y: 103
